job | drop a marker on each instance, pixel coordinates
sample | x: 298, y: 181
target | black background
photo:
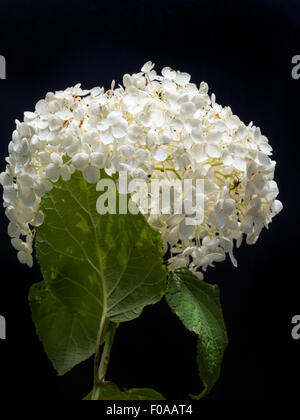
x: 243, y: 50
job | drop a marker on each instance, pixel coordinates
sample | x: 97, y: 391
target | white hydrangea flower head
x: 161, y: 127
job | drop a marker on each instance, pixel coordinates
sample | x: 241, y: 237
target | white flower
x: 115, y: 126
x: 80, y: 161
x: 135, y: 100
x: 155, y: 126
x: 159, y: 154
x: 91, y: 174
x: 147, y: 67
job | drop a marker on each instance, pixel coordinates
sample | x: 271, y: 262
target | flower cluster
x: 154, y: 126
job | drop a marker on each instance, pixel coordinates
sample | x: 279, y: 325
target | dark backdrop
x: 243, y: 50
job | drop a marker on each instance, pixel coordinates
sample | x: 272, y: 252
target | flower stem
x: 106, y: 351
x: 161, y: 168
x: 100, y: 369
x: 98, y: 347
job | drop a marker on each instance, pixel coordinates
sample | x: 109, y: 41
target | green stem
x: 161, y: 168
x: 98, y: 347
x: 106, y: 351
x: 100, y: 369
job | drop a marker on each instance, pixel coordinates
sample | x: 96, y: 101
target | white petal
x: 238, y: 150
x: 151, y: 140
x: 168, y: 73
x: 39, y: 188
x: 65, y: 114
x: 65, y: 173
x: 168, y: 85
x: 277, y: 206
x: 126, y: 150
x: 152, y: 119
x: 214, y: 137
x: 220, y: 126
x: 91, y: 137
x: 48, y: 185
x: 159, y: 154
x: 263, y: 159
x: 114, y: 117
x: 175, y: 219
x: 97, y: 159
x: 5, y: 179
x: 29, y: 261
x: 217, y: 256
x: 182, y: 78
x: 22, y: 257
x: 26, y: 180
x: 265, y: 148
x: 247, y: 225
x: 239, y: 164
x: 188, y: 109
x: 259, y: 181
x: 119, y: 130
x: 135, y: 103
x: 38, y: 219
x: 41, y: 124
x: 12, y: 229
x: 96, y: 91
x: 80, y: 161
x: 228, y: 206
x: 107, y: 136
x: 91, y: 174
x: 9, y: 194
x: 213, y: 150
x: 56, y: 158
x: 52, y: 172
x: 17, y: 244
x: 147, y: 67
x: 41, y: 107
x: 233, y: 259
x: 198, y: 152
x: 221, y: 220
x: 197, y: 135
x: 28, y: 197
x: 44, y: 158
x: 29, y: 116
x: 226, y: 158
x: 200, y: 100
x: 26, y: 215
x: 142, y: 154
x: 186, y: 230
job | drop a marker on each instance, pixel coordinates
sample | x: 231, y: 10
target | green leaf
x: 110, y: 391
x: 197, y: 304
x: 67, y: 336
x: 94, y: 267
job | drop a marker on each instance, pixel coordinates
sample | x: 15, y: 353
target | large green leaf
x: 67, y: 336
x: 110, y: 391
x: 94, y: 267
x: 197, y: 304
